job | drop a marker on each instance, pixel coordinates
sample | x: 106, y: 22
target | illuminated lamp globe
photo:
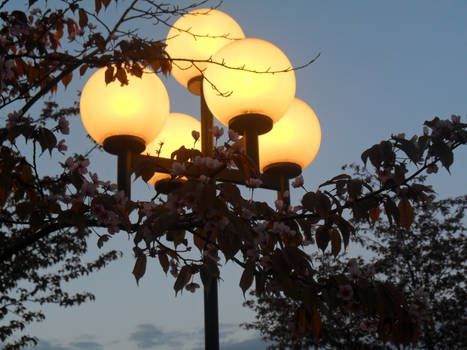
x: 250, y: 89
x: 175, y: 134
x: 130, y: 116
x: 198, y: 35
x: 293, y: 142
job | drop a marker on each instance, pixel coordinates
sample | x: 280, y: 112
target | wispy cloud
x: 148, y: 336
x: 86, y: 345
x: 46, y: 345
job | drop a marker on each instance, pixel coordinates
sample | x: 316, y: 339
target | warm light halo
x: 293, y: 139
x: 176, y: 133
x: 251, y: 93
x: 137, y: 109
x: 214, y: 29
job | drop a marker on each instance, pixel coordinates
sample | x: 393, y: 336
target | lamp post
x: 246, y: 83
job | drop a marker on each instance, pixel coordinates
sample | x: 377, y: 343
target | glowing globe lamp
x: 175, y: 134
x: 293, y: 141
x: 198, y: 35
x: 253, y: 96
x: 131, y: 116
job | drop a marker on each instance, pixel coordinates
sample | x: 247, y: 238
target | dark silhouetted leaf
x: 183, y: 278
x: 140, y: 267
x: 322, y: 237
x: 109, y: 74
x: 164, y: 261
x: 406, y: 213
x: 336, y: 242
x: 247, y: 276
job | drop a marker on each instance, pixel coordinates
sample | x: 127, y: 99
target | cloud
x: 46, y: 345
x: 148, y: 336
x: 86, y: 345
x: 255, y: 343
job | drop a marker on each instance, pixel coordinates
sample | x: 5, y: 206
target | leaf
x: 182, y: 279
x: 83, y: 69
x: 109, y: 75
x: 443, y: 152
x: 121, y: 76
x: 46, y: 139
x: 164, y: 261
x: 334, y: 179
x: 354, y: 187
x: 67, y: 79
x: 199, y: 239
x: 83, y: 18
x: 374, y: 213
x: 406, y: 213
x: 97, y: 5
x: 247, y: 276
x: 322, y: 237
x: 317, y: 202
x: 140, y: 267
x: 316, y: 323
x: 106, y: 3
x: 230, y: 192
x: 336, y: 242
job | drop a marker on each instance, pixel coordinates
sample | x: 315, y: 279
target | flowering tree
x: 427, y: 263
x: 46, y: 217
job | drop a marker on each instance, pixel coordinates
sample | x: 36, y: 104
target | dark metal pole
x: 124, y: 173
x: 284, y: 182
x: 211, y: 308
x: 251, y: 145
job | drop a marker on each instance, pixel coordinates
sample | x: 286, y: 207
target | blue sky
x: 385, y: 67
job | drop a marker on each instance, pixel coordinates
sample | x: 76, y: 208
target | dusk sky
x: 385, y: 68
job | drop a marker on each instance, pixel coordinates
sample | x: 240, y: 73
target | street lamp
x: 247, y: 84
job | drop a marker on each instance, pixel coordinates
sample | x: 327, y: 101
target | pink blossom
x: 212, y: 163
x: 199, y: 161
x: 61, y: 147
x: 298, y: 182
x: 178, y: 169
x: 217, y: 132
x: 279, y: 204
x: 191, y: 287
x: 121, y: 199
x: 204, y: 179
x: 195, y: 135
x: 63, y: 126
x: 233, y: 136
x: 253, y: 182
x: 89, y: 189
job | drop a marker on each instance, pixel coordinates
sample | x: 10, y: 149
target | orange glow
x: 175, y: 134
x: 295, y: 138
x: 214, y: 28
x: 138, y: 109
x: 251, y: 93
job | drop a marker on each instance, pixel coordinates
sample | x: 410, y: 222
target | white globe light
x: 245, y: 75
x: 138, y: 109
x: 198, y: 35
x: 293, y: 139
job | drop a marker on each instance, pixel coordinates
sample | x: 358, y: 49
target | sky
x: 385, y: 68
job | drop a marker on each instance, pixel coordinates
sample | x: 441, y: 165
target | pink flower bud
x: 195, y: 135
x: 298, y: 182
